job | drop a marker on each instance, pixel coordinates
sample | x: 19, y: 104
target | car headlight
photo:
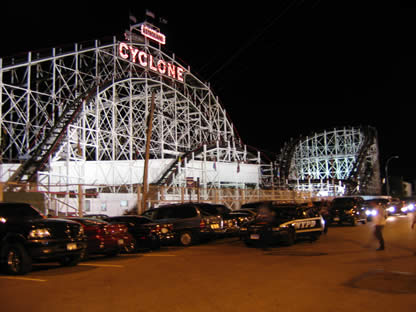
x: 39, y: 233
x: 411, y: 207
x: 371, y: 212
x: 391, y: 209
x: 404, y: 209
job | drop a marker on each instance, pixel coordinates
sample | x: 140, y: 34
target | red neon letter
x: 179, y: 72
x: 122, y: 47
x: 151, y: 65
x: 171, y: 70
x: 134, y: 52
x: 143, y: 58
x: 161, y: 66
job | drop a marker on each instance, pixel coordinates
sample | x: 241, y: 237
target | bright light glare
x: 371, y: 212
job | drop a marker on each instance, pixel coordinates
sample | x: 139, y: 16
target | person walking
x: 379, y: 221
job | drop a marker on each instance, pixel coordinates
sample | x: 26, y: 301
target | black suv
x: 190, y: 221
x: 349, y: 210
x: 277, y: 223
x: 27, y: 236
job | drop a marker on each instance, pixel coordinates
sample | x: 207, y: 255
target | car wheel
x: 18, y: 261
x: 291, y: 237
x: 70, y: 260
x: 354, y: 222
x: 131, y: 246
x: 113, y: 253
x: 186, y: 238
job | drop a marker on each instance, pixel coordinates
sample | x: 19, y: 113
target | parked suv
x: 190, y: 221
x: 349, y: 210
x: 27, y: 236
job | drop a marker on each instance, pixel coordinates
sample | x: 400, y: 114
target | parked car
x: 126, y: 241
x: 190, y: 221
x: 26, y: 236
x: 400, y: 207
x: 382, y: 202
x: 100, y: 240
x: 238, y: 217
x: 146, y: 233
x: 349, y: 210
x: 97, y: 216
x: 277, y: 223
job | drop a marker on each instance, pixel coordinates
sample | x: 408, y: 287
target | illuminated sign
x: 152, y: 34
x: 146, y: 60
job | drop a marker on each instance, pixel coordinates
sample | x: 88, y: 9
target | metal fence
x: 81, y: 199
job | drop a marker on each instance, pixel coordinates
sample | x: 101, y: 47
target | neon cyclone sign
x: 146, y: 60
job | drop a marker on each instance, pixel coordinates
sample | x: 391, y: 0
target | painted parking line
x: 102, y: 265
x: 158, y: 255
x: 23, y: 278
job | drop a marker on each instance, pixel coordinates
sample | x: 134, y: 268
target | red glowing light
x: 146, y: 60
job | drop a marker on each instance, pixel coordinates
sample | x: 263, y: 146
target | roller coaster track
x: 27, y: 171
x: 362, y: 171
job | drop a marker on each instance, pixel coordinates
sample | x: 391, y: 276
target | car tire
x: 70, y: 260
x: 130, y: 247
x: 186, y: 238
x: 113, y: 253
x: 17, y: 260
x: 291, y: 237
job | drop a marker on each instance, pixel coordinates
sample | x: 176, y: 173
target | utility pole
x: 387, y: 173
x: 146, y: 160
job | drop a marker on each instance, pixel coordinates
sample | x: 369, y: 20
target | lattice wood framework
x: 109, y: 98
x: 338, y: 161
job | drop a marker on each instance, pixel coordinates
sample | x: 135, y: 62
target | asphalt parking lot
x: 340, y: 272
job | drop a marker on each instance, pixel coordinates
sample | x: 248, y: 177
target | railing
x: 71, y: 200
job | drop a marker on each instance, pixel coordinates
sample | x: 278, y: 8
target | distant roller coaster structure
x: 341, y: 161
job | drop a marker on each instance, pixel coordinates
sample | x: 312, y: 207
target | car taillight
x: 155, y: 229
x: 202, y: 224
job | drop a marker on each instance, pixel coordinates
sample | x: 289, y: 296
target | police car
x: 276, y: 223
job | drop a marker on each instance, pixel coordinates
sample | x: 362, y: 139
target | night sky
x: 280, y: 70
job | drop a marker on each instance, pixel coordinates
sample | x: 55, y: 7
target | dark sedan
x: 282, y: 224
x: 146, y: 233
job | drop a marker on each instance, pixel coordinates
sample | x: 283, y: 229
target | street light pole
x: 387, y: 174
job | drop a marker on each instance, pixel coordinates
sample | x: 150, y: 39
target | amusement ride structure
x: 80, y: 116
x: 338, y: 162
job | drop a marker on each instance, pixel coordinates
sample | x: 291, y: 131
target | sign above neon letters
x: 152, y: 34
x: 146, y: 60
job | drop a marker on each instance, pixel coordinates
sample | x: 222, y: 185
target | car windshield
x: 343, y: 203
x: 90, y: 222
x: 20, y: 210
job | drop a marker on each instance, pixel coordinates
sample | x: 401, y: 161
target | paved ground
x: 340, y: 272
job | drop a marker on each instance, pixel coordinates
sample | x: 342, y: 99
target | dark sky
x: 280, y: 70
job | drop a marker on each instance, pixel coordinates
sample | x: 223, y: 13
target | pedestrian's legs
x: 378, y: 232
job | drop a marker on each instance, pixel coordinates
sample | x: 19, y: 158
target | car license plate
x: 71, y: 246
x: 121, y: 241
x: 254, y: 236
x: 215, y: 226
x: 336, y: 219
